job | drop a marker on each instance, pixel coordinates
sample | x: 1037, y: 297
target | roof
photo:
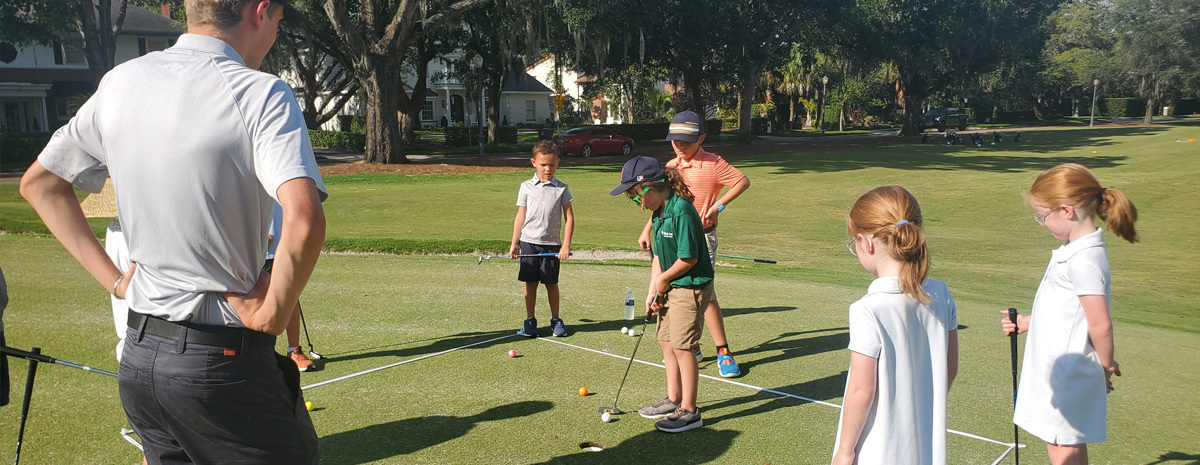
x: 140, y: 22
x: 520, y: 81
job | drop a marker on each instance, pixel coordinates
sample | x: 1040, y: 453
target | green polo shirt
x: 678, y: 234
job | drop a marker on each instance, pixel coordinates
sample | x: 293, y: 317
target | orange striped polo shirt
x: 706, y: 174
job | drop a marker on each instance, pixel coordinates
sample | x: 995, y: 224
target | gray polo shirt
x: 197, y: 145
x: 543, y: 202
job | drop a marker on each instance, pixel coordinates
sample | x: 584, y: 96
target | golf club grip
x: 764, y: 260
x: 26, y: 355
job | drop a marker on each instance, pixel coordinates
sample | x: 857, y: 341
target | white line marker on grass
x: 423, y: 357
x: 772, y: 391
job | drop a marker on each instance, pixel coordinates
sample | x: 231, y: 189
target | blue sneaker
x: 529, y: 329
x: 726, y: 365
x: 557, y: 326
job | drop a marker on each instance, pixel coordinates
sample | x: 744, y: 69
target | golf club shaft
x: 1012, y: 338
x: 33, y: 363
x: 645, y: 322
x: 759, y: 260
x: 36, y: 355
x: 304, y: 325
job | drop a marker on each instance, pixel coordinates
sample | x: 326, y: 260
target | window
x: 531, y: 110
x: 427, y: 111
x: 73, y: 55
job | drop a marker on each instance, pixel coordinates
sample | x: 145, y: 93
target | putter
x: 612, y: 409
x: 759, y: 260
x: 546, y: 254
x: 1012, y: 338
x: 311, y: 351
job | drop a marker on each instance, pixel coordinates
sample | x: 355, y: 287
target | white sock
x: 293, y: 349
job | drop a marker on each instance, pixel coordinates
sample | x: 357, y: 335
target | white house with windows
x: 523, y: 100
x: 38, y: 81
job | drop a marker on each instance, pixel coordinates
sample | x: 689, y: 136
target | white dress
x: 1061, y: 396
x: 907, y: 420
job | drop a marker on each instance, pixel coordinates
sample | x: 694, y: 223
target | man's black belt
x: 193, y: 333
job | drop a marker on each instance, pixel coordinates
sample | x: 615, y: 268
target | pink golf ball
x: 512, y: 354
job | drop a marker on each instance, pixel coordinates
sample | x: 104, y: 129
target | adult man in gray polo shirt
x: 199, y: 146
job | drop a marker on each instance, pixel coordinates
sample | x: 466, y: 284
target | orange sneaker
x: 302, y: 362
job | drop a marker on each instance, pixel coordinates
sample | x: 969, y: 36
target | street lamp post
x: 1092, y: 118
x: 821, y: 114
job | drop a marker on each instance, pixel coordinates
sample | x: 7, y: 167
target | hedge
x: 464, y: 136
x: 1117, y: 107
x: 1186, y: 106
x: 338, y: 140
x: 19, y: 149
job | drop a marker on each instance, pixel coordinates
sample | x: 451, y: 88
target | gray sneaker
x: 680, y: 421
x: 660, y: 409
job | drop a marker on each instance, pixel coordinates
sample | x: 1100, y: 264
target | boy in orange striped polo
x: 706, y: 174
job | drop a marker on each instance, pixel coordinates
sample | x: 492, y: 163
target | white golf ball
x: 632, y: 332
x: 606, y: 417
x: 624, y: 330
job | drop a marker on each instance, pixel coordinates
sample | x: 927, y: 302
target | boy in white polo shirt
x: 543, y: 206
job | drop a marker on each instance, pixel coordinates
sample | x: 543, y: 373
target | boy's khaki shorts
x: 681, y: 321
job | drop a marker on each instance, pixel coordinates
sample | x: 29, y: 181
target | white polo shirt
x: 907, y: 421
x: 1062, y: 396
x: 197, y: 145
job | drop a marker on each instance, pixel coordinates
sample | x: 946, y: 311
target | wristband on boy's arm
x: 720, y: 206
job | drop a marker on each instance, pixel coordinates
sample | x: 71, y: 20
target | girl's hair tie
x: 898, y: 223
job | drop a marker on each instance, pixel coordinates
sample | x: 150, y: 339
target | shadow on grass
x: 826, y: 388
x: 790, y: 347
x: 387, y: 440
x: 743, y: 311
x: 1172, y: 457
x: 702, y: 445
x: 438, y: 345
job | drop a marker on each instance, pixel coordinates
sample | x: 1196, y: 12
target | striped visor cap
x: 686, y: 126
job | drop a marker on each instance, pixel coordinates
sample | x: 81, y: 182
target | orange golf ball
x: 583, y: 391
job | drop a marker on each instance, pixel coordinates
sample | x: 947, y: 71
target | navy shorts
x: 538, y: 269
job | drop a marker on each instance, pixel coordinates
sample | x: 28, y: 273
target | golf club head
x: 611, y: 409
x: 480, y: 260
x: 314, y: 355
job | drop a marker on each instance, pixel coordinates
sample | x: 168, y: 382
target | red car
x: 587, y: 140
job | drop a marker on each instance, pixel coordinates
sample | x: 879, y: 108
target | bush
x: 758, y: 125
x: 351, y: 123
x: 762, y: 110
x: 18, y: 150
x: 338, y: 140
x: 1117, y: 107
x: 506, y: 135
x: 461, y: 136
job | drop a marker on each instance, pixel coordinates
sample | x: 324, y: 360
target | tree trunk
x: 792, y: 112
x: 745, y: 101
x: 493, y: 110
x: 995, y: 113
x: 384, y: 143
x: 1150, y: 102
x: 912, y: 110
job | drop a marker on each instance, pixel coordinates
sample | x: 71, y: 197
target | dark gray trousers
x: 192, y: 403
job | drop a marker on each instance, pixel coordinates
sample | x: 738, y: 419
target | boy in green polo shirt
x: 681, y: 277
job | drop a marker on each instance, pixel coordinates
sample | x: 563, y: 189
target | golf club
x: 612, y: 409
x: 304, y: 325
x: 759, y: 260
x: 35, y: 356
x: 547, y: 254
x: 1012, y: 338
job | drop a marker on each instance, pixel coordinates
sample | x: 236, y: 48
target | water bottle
x: 628, y: 303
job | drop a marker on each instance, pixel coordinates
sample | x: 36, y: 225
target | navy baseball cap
x: 638, y: 170
x: 686, y: 126
x: 290, y: 13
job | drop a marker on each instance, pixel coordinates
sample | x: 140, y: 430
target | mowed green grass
x: 786, y: 322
